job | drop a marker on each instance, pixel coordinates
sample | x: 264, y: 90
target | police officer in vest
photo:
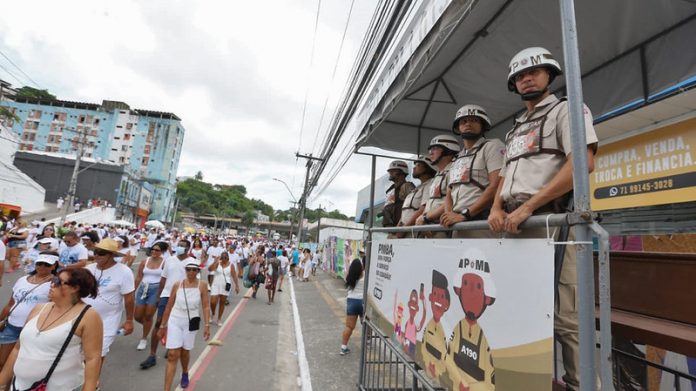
x: 414, y: 204
x: 396, y: 193
x: 473, y: 175
x: 442, y: 150
x: 537, y: 179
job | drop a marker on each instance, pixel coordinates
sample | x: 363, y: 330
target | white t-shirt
x: 38, y: 295
x: 234, y: 258
x: 70, y: 255
x: 113, y: 283
x: 213, y: 252
x: 283, y: 261
x: 174, y: 270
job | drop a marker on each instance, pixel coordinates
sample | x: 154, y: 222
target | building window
x: 124, y: 148
x: 126, y: 136
x: 81, y: 119
x: 36, y: 114
x: 144, y: 161
x: 122, y: 159
x: 129, y: 126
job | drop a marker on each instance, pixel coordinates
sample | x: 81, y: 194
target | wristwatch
x: 466, y: 214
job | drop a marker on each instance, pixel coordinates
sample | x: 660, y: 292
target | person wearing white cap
x: 41, y: 245
x: 116, y: 292
x: 188, y: 303
x: 27, y: 292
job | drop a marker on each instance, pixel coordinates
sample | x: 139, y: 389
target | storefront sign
x: 653, y: 168
x: 474, y: 314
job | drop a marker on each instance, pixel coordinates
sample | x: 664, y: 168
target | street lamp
x: 294, y: 200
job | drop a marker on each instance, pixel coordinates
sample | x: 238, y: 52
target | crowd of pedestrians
x: 82, y: 288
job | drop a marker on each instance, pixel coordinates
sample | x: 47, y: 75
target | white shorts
x: 106, y: 344
x: 178, y: 334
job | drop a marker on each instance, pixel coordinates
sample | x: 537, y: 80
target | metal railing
x: 385, y: 367
x: 620, y: 355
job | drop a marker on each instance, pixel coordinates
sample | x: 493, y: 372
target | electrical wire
x: 11, y: 74
x: 20, y: 70
x: 311, y: 63
x: 333, y: 74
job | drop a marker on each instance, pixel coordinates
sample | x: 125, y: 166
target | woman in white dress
x: 306, y: 264
x: 224, y: 275
x: 48, y: 327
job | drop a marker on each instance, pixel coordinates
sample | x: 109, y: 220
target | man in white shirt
x: 213, y: 252
x: 116, y: 292
x: 73, y: 254
x: 174, y: 271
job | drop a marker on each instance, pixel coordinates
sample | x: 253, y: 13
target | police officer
x: 537, y: 179
x: 473, y: 176
x: 469, y: 361
x: 442, y: 150
x: 414, y: 203
x: 396, y: 193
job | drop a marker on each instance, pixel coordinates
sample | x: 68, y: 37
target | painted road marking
x: 305, y: 378
x: 206, y: 357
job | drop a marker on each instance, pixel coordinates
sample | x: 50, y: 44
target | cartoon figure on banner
x: 398, y: 317
x: 469, y: 362
x: 434, y: 343
x: 410, y: 329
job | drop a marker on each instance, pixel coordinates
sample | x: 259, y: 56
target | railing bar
x: 654, y: 365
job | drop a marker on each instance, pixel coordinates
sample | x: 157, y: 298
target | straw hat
x: 109, y: 245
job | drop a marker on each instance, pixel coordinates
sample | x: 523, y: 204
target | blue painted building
x: 148, y: 142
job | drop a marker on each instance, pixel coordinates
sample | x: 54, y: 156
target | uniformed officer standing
x: 442, y: 150
x: 396, y: 193
x: 414, y: 204
x: 473, y: 175
x: 537, y: 179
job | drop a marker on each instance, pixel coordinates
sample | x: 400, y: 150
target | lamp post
x: 294, y: 200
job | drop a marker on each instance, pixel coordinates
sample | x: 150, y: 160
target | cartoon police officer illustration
x: 469, y: 362
x: 434, y: 344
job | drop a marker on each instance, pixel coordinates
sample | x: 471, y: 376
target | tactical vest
x: 527, y: 138
x: 462, y: 169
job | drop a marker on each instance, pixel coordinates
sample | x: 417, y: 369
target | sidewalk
x: 322, y: 307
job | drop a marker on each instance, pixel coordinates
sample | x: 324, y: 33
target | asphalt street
x: 258, y: 349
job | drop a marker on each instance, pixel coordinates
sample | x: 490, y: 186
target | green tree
x: 199, y: 176
x: 6, y: 113
x: 31, y: 92
x: 248, y: 219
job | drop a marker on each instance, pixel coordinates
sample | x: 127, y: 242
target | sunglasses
x: 44, y: 264
x: 191, y: 269
x: 101, y: 252
x: 57, y: 282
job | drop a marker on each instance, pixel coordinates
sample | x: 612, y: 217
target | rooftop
x: 105, y: 106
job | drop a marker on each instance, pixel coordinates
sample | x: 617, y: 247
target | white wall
x: 16, y: 188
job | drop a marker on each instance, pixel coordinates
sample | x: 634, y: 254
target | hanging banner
x: 472, y: 313
x: 653, y: 168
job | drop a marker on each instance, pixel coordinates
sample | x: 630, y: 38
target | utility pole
x: 81, y: 141
x: 303, y: 198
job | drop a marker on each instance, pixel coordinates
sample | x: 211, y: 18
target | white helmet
x: 471, y: 111
x: 533, y: 57
x: 446, y: 141
x: 473, y: 262
x: 426, y: 160
x: 398, y: 165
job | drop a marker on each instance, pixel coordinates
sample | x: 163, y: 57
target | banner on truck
x: 472, y: 313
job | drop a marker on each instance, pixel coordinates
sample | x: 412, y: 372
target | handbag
x: 3, y: 322
x: 228, y: 285
x: 41, y: 384
x: 195, y: 322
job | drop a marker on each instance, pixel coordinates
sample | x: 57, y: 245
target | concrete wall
x: 53, y: 173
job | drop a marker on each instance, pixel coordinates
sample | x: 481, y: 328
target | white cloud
x: 235, y: 72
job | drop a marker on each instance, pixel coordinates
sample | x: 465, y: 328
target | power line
x: 20, y: 70
x: 11, y: 74
x: 311, y: 63
x: 333, y: 74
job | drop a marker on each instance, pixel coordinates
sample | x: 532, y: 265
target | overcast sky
x: 235, y: 72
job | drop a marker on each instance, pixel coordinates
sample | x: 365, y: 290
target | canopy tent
x: 154, y: 224
x: 122, y: 223
x: 633, y: 53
